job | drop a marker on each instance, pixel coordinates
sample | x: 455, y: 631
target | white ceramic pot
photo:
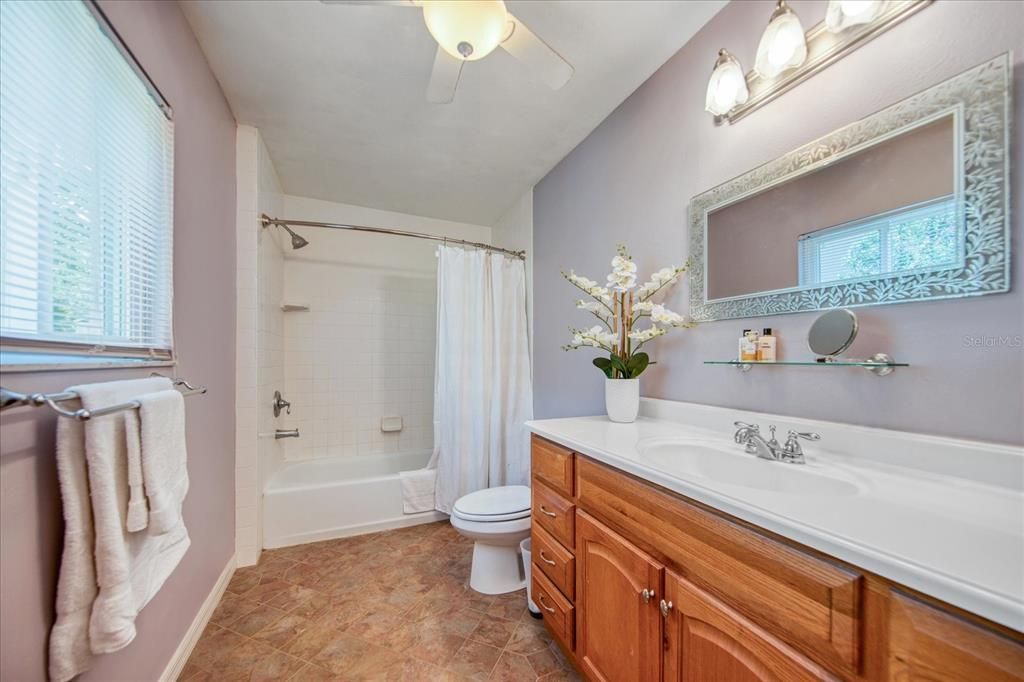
x: 622, y: 399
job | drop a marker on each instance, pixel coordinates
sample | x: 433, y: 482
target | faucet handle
x: 792, y: 450
x: 745, y: 425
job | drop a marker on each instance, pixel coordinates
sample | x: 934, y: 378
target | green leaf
x: 637, y: 364
x: 605, y: 365
x: 618, y: 364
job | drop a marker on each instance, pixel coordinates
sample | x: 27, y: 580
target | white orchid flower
x: 663, y: 315
x: 643, y: 306
x: 589, y: 306
x: 644, y: 335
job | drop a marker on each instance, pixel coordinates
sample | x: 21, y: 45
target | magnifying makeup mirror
x: 832, y: 333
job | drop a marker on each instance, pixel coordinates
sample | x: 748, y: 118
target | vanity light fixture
x: 783, y: 45
x: 787, y: 56
x: 728, y: 85
x: 841, y: 14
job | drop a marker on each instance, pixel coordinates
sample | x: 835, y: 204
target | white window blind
x: 86, y: 175
x: 925, y: 236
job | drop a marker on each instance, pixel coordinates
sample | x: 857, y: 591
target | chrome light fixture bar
x: 825, y: 46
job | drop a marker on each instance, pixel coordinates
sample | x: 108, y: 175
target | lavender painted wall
x: 632, y: 178
x: 204, y: 325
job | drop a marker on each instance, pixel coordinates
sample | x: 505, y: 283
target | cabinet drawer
x: 555, y: 514
x: 811, y: 604
x: 927, y: 643
x: 552, y: 464
x: 558, y: 612
x: 555, y: 561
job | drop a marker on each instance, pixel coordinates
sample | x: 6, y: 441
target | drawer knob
x: 545, y: 559
x: 665, y: 607
x: 647, y: 595
x: 543, y: 605
x: 545, y: 512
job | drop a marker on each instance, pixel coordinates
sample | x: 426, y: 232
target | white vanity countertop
x: 943, y: 516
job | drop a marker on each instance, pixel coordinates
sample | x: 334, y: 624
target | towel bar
x: 10, y: 398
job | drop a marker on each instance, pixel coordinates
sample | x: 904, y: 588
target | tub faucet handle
x: 281, y: 404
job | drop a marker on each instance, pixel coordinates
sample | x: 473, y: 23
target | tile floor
x: 388, y: 606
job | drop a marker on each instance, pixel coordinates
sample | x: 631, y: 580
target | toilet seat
x: 492, y: 505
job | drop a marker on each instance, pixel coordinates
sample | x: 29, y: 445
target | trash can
x: 524, y: 551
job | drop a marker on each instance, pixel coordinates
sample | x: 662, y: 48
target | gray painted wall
x: 632, y: 178
x: 204, y: 325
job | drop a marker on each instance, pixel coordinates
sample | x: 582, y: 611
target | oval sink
x: 727, y: 463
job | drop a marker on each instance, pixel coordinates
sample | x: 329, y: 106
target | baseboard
x: 188, y: 643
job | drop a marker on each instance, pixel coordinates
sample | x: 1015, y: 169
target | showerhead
x: 297, y: 241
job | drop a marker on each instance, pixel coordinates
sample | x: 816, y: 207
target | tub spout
x: 285, y: 433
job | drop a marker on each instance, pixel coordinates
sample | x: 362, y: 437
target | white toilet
x: 497, y: 519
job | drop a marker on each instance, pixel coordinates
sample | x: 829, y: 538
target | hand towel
x: 164, y: 470
x: 418, y: 490
x: 138, y: 510
x: 76, y: 584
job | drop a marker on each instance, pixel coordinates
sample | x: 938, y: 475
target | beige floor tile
x: 389, y: 606
x: 474, y: 660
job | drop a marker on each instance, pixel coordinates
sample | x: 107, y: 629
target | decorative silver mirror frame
x: 980, y: 100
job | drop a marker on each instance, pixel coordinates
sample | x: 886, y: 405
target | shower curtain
x: 482, y: 382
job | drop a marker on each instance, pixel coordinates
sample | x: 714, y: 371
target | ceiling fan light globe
x: 466, y: 29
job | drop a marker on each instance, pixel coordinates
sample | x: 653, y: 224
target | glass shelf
x: 880, y: 364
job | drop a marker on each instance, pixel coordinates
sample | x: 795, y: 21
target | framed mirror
x: 907, y: 204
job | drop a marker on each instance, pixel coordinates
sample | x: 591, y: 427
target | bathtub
x: 336, y: 497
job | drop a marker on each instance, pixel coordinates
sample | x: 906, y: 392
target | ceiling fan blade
x: 398, y: 3
x: 444, y: 77
x: 524, y: 45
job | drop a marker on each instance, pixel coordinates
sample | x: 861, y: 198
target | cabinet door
x: 706, y: 641
x: 618, y: 636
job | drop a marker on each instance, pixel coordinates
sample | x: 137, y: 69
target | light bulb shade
x: 783, y: 45
x: 728, y: 85
x: 842, y: 14
x: 466, y: 29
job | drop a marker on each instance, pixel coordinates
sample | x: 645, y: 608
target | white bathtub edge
x: 349, y: 531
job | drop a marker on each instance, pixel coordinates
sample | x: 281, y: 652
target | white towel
x: 418, y: 485
x: 157, y: 432
x: 129, y: 567
x: 418, y: 490
x: 76, y: 585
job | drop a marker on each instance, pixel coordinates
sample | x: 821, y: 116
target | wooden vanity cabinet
x: 643, y: 585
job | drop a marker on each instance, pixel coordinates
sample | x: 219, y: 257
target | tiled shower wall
x: 365, y: 350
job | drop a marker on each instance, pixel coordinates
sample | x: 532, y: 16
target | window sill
x: 21, y: 361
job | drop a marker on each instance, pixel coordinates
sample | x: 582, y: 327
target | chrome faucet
x: 749, y: 436
x: 285, y: 433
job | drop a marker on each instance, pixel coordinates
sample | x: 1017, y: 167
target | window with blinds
x: 925, y: 236
x: 86, y: 180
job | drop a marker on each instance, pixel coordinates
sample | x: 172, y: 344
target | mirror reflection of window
x: 921, y: 237
x: 889, y: 207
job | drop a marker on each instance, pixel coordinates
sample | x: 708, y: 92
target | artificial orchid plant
x: 620, y: 306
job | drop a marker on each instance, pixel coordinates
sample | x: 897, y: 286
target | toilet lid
x: 494, y: 504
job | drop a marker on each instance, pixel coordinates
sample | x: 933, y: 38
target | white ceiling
x: 337, y: 92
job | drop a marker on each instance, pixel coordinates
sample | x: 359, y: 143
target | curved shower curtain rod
x: 268, y: 221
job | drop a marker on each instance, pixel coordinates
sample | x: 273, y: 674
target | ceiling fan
x: 468, y: 30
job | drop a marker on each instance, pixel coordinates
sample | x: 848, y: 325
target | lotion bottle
x: 748, y: 345
x: 766, y: 346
